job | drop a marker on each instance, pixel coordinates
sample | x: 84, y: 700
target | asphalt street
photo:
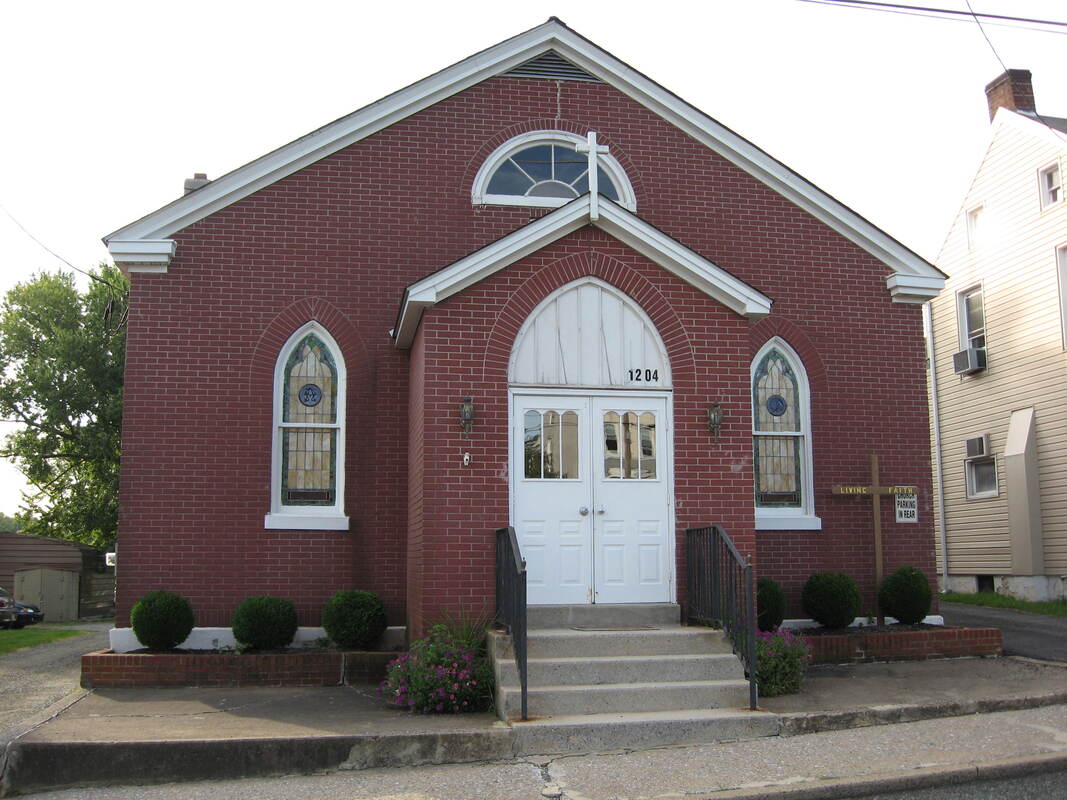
x: 1031, y: 635
x: 32, y: 680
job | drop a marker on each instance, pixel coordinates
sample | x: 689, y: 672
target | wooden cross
x: 875, y: 492
x: 593, y: 149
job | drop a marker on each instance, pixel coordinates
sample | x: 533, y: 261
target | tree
x: 10, y: 524
x: 62, y: 353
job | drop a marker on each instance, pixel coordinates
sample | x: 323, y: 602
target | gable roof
x: 144, y: 244
x: 613, y: 219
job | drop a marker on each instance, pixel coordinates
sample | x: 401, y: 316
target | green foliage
x: 162, y: 620
x: 905, y: 595
x: 1053, y: 608
x: 781, y: 662
x: 440, y: 674
x: 264, y: 622
x: 10, y: 524
x: 62, y: 354
x: 831, y: 598
x: 770, y: 604
x: 354, y: 618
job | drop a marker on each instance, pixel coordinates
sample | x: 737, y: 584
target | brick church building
x: 535, y: 288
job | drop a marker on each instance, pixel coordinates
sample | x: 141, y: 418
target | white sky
x: 109, y: 106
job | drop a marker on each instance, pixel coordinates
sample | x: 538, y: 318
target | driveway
x: 1032, y: 635
x: 32, y: 680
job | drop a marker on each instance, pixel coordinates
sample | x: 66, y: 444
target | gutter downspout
x: 935, y: 416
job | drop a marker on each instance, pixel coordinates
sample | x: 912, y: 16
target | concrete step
x: 604, y: 616
x: 622, y: 697
x: 590, y: 733
x: 569, y: 643
x: 624, y: 669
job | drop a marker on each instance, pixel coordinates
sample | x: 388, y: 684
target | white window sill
x: 306, y: 522
x: 799, y: 522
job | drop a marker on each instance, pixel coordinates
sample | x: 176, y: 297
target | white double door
x: 590, y: 479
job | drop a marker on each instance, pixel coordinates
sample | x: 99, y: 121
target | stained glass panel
x: 777, y: 471
x: 775, y: 397
x: 309, y: 466
x: 310, y: 365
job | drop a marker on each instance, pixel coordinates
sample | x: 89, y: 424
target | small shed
x: 95, y: 586
x: 54, y: 591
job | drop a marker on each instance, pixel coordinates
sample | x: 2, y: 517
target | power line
x: 985, y: 36
x: 949, y: 11
x: 54, y: 254
x: 940, y: 14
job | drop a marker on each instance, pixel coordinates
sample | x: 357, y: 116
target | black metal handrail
x: 511, y: 599
x: 719, y: 590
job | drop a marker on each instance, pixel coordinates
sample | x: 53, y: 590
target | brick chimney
x: 1011, y: 90
x: 200, y: 179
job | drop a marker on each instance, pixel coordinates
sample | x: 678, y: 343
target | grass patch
x: 1052, y: 608
x: 12, y: 640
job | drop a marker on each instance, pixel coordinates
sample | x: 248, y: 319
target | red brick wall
x: 338, y: 242
x: 906, y: 645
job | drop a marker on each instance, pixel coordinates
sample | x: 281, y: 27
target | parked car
x: 8, y: 613
x: 27, y: 614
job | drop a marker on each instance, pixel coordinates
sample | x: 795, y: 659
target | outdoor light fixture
x: 714, y: 418
x: 466, y: 414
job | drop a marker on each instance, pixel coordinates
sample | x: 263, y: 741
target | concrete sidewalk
x: 138, y: 736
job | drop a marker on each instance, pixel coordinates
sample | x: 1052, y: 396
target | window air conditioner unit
x: 970, y: 360
x: 978, y: 447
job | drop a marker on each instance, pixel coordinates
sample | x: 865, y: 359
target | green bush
x: 831, y: 598
x: 264, y: 623
x: 354, y: 618
x: 781, y: 662
x: 905, y: 595
x: 770, y: 604
x: 439, y: 674
x: 162, y: 620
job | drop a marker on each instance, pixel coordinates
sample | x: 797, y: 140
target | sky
x: 108, y: 106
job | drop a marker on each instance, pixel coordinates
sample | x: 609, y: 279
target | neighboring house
x: 352, y: 359
x: 999, y: 334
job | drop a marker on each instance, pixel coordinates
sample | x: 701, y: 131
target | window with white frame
x: 1061, y: 275
x: 971, y: 315
x: 307, y: 482
x: 543, y: 168
x: 781, y: 447
x: 974, y: 227
x: 1050, y: 182
x: 981, y: 475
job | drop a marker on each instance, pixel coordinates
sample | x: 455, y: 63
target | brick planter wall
x: 861, y: 646
x: 107, y: 669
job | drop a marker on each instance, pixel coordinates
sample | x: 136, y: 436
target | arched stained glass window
x: 308, y: 481
x: 781, y: 439
x: 543, y: 168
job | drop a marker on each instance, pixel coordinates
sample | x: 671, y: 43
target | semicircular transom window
x: 545, y: 169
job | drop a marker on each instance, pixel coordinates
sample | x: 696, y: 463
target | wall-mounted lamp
x: 466, y: 414
x: 714, y: 418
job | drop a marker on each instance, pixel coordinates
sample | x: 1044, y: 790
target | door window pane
x: 629, y: 445
x: 648, y: 445
x: 550, y: 444
x: 532, y: 443
x: 612, y: 458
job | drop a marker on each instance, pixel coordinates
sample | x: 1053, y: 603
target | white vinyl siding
x: 1016, y: 266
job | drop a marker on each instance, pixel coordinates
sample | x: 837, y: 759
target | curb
x: 932, y: 777
x: 800, y: 722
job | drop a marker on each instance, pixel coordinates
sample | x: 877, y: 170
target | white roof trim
x: 1030, y: 125
x: 615, y: 220
x: 552, y: 35
x: 142, y: 255
x: 913, y: 288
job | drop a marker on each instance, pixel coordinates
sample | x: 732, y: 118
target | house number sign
x: 644, y: 375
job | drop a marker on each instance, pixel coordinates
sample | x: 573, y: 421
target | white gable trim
x: 628, y: 228
x: 552, y: 35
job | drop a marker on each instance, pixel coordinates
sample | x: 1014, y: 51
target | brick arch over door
x: 544, y: 282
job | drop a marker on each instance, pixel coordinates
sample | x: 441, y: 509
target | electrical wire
x: 54, y: 254
x: 947, y: 15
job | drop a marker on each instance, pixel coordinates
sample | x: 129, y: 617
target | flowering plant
x: 781, y: 660
x: 439, y: 674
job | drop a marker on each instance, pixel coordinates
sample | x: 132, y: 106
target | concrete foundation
x: 123, y: 640
x: 1040, y: 588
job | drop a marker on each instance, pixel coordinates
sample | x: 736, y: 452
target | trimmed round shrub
x: 770, y: 604
x: 354, y: 618
x: 831, y: 598
x: 905, y: 595
x: 264, y: 623
x: 162, y: 620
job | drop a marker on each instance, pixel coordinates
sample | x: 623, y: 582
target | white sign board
x: 907, y: 507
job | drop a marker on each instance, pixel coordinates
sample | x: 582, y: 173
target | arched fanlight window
x: 781, y: 432
x: 544, y: 169
x: 307, y: 486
